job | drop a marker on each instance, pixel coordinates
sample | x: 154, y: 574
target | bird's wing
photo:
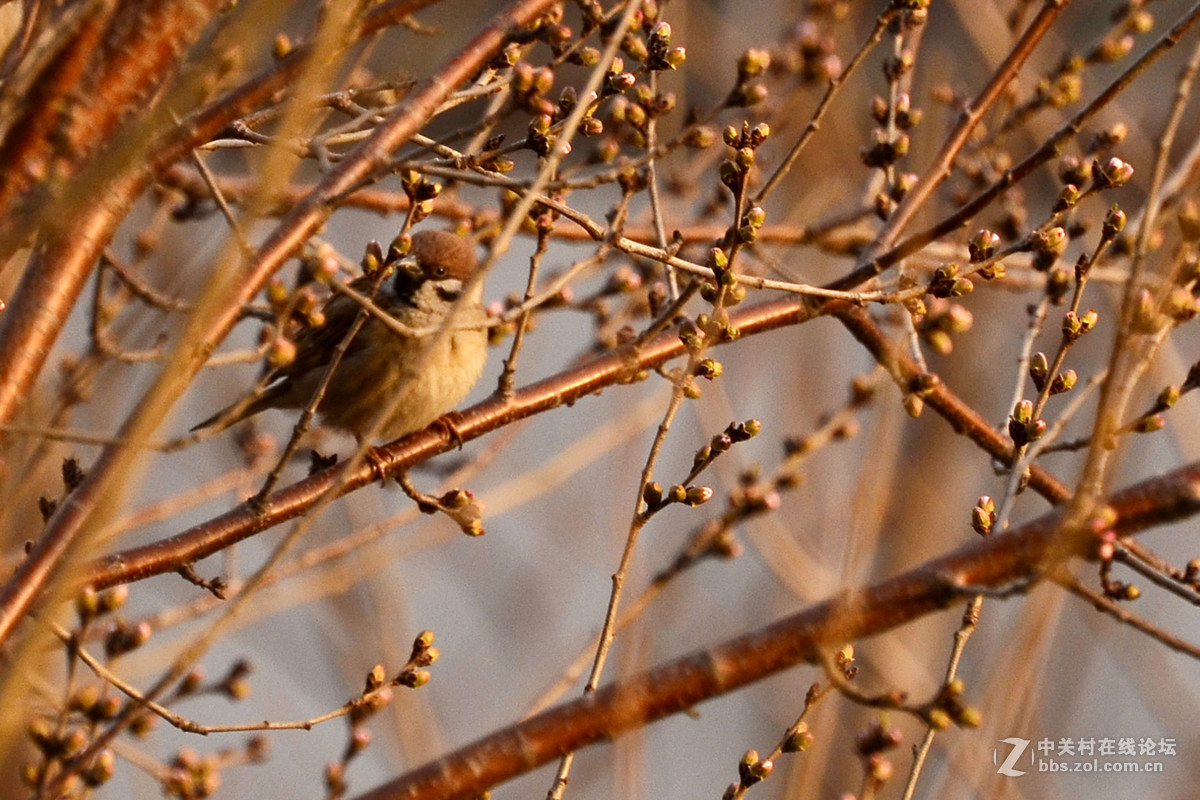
x: 315, y: 345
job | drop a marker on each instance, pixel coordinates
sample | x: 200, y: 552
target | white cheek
x: 434, y: 293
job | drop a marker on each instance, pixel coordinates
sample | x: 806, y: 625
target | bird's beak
x: 408, y: 270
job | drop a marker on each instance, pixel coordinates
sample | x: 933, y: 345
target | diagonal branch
x: 622, y: 365
x: 244, y: 521
x: 1001, y: 565
x: 64, y: 528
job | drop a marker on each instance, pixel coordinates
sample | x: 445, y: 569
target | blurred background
x: 516, y: 612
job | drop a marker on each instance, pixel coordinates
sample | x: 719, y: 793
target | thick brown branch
x: 64, y: 528
x: 102, y: 80
x: 37, y: 311
x: 42, y: 154
x: 1001, y: 565
x: 567, y: 387
x: 962, y: 417
x: 244, y: 521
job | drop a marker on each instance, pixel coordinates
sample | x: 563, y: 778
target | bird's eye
x: 439, y: 272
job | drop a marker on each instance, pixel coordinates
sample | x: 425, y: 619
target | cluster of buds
x: 1058, y: 284
x: 374, y: 260
x: 492, y: 160
x: 982, y: 245
x: 749, y: 90
x: 1074, y: 171
x: 89, y: 706
x: 1061, y: 90
x: 191, y: 775
x: 421, y: 192
x: 949, y: 708
x: 376, y: 695
x: 1046, y: 244
x: 943, y: 321
x: 125, y: 637
x: 280, y: 348
x: 920, y: 386
x: 422, y: 656
x: 656, y: 497
x: 799, y: 739
x: 1023, y: 428
x: 1191, y: 573
x: 550, y: 29
x: 1167, y: 398
x: 752, y: 495
x: 320, y: 264
x: 946, y: 282
x: 1039, y: 373
x: 1067, y: 198
x: 302, y: 305
x: 91, y: 605
x: 901, y: 113
x: 56, y: 746
x: 1112, y: 48
x: 707, y: 328
x: 1075, y: 326
x: 810, y: 53
x: 748, y: 227
x: 735, y: 169
x: 1112, y: 174
x: 888, y: 200
x: 94, y: 704
x: 235, y: 684
x: 885, y: 149
x: 636, y: 102
x: 1188, y: 217
x: 890, y: 141
x: 734, y: 433
x: 1148, y: 423
x: 660, y: 54
x: 913, y: 12
x: 872, y: 746
x: 72, y: 476
x: 461, y: 506
x: 752, y: 769
x: 983, y: 515
x: 724, y: 277
x: 541, y: 137
x: 1183, y: 301
x: 631, y: 112
x: 530, y: 87
x: 1107, y: 138
x: 889, y: 144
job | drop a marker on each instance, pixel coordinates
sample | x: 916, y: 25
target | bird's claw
x: 448, y: 424
x: 376, y: 460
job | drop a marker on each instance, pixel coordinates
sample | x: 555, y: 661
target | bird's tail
x: 234, y: 413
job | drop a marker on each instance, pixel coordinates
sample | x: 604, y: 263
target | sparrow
x: 421, y: 376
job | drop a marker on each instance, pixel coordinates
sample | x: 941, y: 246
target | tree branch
x: 1001, y: 565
